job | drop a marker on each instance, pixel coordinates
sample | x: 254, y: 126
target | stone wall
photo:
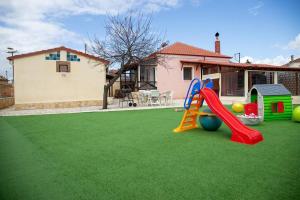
x: 6, y: 102
x: 71, y: 104
x: 6, y: 90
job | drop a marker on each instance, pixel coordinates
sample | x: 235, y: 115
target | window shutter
x: 280, y: 107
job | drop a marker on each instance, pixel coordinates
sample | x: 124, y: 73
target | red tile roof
x: 244, y: 65
x: 296, y: 60
x: 58, y: 49
x: 291, y: 62
x: 179, y: 48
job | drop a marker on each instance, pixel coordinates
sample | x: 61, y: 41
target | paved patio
x: 114, y: 107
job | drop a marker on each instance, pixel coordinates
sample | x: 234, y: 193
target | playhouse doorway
x: 253, y: 96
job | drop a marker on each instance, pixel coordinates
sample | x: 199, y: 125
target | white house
x: 58, y: 78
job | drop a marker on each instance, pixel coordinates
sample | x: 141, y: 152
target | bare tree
x: 129, y: 40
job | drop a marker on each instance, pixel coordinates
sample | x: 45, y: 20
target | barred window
x: 62, y: 66
x: 187, y: 73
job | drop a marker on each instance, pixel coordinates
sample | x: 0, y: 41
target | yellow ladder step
x: 192, y: 117
x: 196, y: 99
x: 189, y: 120
x: 185, y: 128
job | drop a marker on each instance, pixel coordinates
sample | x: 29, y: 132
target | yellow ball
x: 296, y: 114
x: 238, y: 107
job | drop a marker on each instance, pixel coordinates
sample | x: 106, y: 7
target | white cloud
x: 294, y: 44
x: 255, y: 9
x: 278, y: 60
x: 196, y: 2
x: 291, y: 45
x: 30, y: 25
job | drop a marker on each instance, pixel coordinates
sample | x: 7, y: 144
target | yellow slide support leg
x: 189, y: 120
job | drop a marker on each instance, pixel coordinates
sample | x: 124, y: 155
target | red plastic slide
x: 240, y: 132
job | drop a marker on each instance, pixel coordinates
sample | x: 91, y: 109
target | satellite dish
x: 164, y: 44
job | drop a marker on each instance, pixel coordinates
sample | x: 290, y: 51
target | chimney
x: 292, y: 58
x: 217, y: 43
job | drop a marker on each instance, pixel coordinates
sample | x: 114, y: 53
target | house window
x: 63, y: 66
x: 277, y: 107
x: 187, y: 73
x: 53, y: 56
x: 72, y: 57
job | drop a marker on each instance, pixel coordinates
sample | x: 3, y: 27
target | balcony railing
x: 138, y: 85
x: 147, y: 85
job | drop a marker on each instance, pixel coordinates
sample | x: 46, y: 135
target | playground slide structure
x: 202, y: 91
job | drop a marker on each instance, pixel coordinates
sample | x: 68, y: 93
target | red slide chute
x: 240, y: 132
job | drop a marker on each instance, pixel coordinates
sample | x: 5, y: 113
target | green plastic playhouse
x: 274, y: 101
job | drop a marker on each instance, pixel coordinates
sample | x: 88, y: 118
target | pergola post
x: 139, y: 76
x: 275, y: 77
x: 246, y: 86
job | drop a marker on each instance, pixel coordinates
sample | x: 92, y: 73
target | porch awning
x: 247, y: 66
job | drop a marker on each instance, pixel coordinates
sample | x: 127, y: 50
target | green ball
x: 296, y: 114
x: 209, y: 123
x: 206, y: 110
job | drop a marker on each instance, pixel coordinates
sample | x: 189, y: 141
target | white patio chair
x: 167, y: 97
x: 143, y: 97
x: 154, y: 98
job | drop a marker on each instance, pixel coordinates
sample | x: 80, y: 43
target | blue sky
x: 263, y: 31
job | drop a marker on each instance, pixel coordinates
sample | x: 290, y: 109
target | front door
x: 147, y: 78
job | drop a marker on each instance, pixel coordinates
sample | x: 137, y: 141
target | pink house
x: 174, y: 66
x: 169, y: 71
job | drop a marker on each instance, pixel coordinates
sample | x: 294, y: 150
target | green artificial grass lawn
x: 135, y: 155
